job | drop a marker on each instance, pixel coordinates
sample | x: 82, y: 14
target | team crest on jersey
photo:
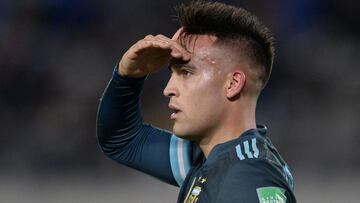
x: 194, y: 197
x: 271, y: 195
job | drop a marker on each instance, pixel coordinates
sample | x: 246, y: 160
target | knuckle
x: 160, y: 36
x: 142, y: 42
x: 149, y: 37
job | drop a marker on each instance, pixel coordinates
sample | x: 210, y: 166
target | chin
x: 180, y: 132
x: 183, y: 133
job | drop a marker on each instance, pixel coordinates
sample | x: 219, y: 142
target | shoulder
x: 251, y: 181
x: 257, y: 153
x: 253, y: 170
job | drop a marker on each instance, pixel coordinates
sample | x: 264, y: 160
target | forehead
x: 199, y: 42
x: 202, y: 48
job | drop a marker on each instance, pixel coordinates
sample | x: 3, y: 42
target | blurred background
x: 56, y: 57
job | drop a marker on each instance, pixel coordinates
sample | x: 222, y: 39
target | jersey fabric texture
x: 247, y: 169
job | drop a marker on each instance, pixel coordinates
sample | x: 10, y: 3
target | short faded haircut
x: 232, y: 26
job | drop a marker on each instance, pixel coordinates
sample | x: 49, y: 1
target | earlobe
x: 235, y: 85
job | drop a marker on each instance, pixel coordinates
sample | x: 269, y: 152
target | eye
x: 185, y: 73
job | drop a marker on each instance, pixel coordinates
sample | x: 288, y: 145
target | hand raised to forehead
x: 150, y: 54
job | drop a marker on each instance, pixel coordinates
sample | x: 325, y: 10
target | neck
x: 232, y: 128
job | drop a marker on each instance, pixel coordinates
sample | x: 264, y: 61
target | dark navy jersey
x: 247, y: 169
x: 238, y: 171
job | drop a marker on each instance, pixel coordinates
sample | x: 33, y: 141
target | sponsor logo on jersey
x: 271, y: 195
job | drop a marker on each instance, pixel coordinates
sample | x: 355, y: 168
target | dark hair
x: 233, y: 26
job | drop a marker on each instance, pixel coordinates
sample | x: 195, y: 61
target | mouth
x: 175, y: 111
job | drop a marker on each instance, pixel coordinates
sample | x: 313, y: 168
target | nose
x: 171, y: 90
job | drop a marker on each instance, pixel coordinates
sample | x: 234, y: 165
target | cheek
x: 203, y: 100
x: 211, y: 85
x: 206, y: 95
x: 206, y: 111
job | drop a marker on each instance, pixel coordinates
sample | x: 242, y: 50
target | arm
x: 121, y: 132
x: 124, y: 137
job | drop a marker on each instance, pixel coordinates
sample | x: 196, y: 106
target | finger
x: 176, y: 50
x: 177, y: 34
x: 171, y: 41
x: 165, y: 42
x: 142, y: 44
x: 179, y: 56
x: 158, y: 37
x: 162, y: 41
x: 149, y: 37
x: 163, y: 37
x: 176, y: 47
x: 151, y: 44
x: 160, y: 44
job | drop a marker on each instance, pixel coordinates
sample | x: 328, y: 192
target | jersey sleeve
x: 254, y: 182
x: 125, y: 138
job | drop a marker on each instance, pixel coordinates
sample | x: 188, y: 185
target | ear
x: 235, y: 84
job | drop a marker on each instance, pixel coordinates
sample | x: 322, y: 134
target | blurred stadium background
x: 56, y: 57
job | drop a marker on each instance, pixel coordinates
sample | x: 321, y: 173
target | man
x: 221, y: 58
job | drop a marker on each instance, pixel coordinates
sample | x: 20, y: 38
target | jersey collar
x: 219, y: 149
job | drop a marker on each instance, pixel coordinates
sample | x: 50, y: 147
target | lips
x: 175, y: 111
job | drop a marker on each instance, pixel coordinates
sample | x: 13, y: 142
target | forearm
x: 119, y: 117
x: 124, y: 137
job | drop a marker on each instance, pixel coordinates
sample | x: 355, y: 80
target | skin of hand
x: 150, y: 54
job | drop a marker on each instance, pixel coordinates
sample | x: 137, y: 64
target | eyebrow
x: 177, y: 66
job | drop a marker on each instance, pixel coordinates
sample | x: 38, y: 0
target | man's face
x: 197, y: 90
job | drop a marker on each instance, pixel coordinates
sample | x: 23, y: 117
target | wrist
x: 130, y: 74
